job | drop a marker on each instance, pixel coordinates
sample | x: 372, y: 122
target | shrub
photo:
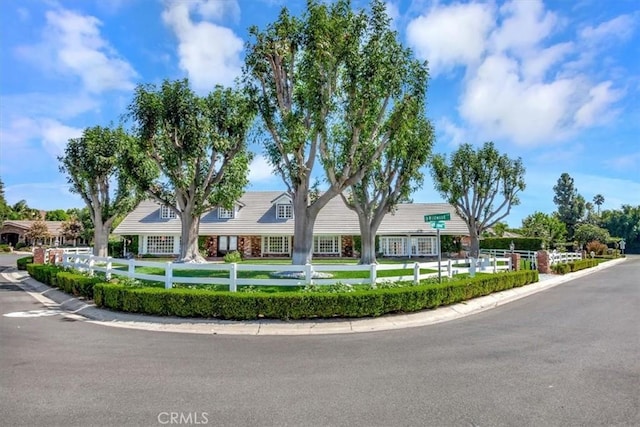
x: 305, y: 305
x: 520, y: 243
x: 20, y: 245
x: 596, y: 247
x: 233, y: 257
x: 570, y: 267
x: 5, y: 248
x: 44, y: 273
x: 22, y: 262
x: 77, y: 284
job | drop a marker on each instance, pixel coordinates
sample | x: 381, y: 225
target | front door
x: 227, y: 244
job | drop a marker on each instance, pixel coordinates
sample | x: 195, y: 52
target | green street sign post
x: 437, y: 222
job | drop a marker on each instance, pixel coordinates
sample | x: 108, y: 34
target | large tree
x: 190, y: 154
x: 326, y: 85
x: 482, y: 185
x: 571, y: 205
x: 91, y: 165
x: 547, y: 227
x: 624, y: 223
x: 392, y: 178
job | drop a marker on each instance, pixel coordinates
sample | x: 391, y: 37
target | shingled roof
x: 256, y: 215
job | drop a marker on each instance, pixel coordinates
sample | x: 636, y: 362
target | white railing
x: 563, y: 257
x: 531, y: 256
x: 302, y: 274
x: 83, y: 250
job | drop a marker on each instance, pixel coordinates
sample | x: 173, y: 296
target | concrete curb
x: 80, y: 310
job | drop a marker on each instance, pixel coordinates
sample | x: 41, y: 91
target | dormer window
x: 166, y: 212
x: 224, y: 213
x: 284, y: 211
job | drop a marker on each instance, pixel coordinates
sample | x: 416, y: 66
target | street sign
x: 438, y: 225
x: 438, y: 217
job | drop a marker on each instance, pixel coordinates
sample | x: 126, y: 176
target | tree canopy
x: 190, y: 151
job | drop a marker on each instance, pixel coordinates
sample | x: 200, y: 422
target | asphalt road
x: 567, y: 356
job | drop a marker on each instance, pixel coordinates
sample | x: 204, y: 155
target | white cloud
x: 51, y: 134
x: 596, y: 108
x: 524, y: 25
x: 260, y: 170
x: 73, y: 46
x: 518, y: 83
x: 452, y: 133
x: 620, y: 27
x: 449, y: 36
x: 209, y: 53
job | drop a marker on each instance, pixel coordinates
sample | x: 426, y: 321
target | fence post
x: 373, y: 275
x: 109, y: 268
x: 65, y: 261
x: 416, y: 273
x: 495, y: 265
x: 168, y: 275
x: 510, y: 264
x: 449, y: 269
x: 91, y: 263
x: 472, y: 267
x: 131, y: 271
x: 308, y: 274
x: 233, y: 277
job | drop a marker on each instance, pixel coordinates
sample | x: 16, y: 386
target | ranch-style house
x: 261, y: 225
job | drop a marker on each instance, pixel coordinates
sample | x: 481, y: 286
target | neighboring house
x: 261, y: 225
x: 13, y: 232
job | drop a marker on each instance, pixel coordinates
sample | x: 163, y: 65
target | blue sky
x: 554, y: 82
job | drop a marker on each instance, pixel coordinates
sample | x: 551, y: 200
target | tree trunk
x: 368, y: 236
x: 475, y: 241
x: 101, y: 240
x: 189, y: 251
x: 303, y: 235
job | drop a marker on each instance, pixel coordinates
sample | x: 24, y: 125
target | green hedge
x: 22, y: 262
x: 44, y: 273
x: 570, y: 267
x: 249, y: 306
x: 77, y: 284
x: 520, y: 243
x: 70, y: 282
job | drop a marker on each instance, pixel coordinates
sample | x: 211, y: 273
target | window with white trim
x: 276, y: 245
x: 224, y: 213
x: 393, y: 246
x: 166, y: 212
x: 326, y: 245
x: 160, y: 244
x: 423, y: 246
x: 284, y: 211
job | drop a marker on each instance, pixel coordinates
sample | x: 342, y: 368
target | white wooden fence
x: 531, y: 256
x: 563, y: 257
x: 127, y: 268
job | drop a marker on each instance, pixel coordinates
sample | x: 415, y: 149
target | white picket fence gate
x: 127, y: 268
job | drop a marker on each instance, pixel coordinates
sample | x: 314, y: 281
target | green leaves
x: 482, y: 185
